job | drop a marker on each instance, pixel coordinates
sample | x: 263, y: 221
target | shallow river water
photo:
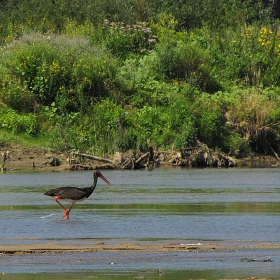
x: 232, y: 206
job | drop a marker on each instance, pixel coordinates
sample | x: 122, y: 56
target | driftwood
x: 76, y: 165
x: 199, y: 155
x: 274, y: 153
x: 91, y: 157
x: 132, y: 163
x: 138, y: 161
x: 117, y: 162
x: 128, y: 164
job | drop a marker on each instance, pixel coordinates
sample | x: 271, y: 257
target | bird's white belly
x: 73, y: 200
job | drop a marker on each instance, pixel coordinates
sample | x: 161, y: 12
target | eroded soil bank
x: 20, y: 158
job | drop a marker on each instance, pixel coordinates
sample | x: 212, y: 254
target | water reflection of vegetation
x: 130, y: 209
x: 258, y: 207
x: 193, y: 190
x: 152, y: 274
x: 42, y: 189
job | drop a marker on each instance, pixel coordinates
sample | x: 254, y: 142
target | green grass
x: 27, y: 141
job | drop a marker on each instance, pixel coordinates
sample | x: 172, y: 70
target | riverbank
x: 21, y: 158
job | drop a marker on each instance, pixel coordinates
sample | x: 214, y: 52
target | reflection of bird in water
x: 74, y: 195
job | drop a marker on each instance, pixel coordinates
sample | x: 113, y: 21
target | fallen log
x: 93, y: 157
x: 141, y: 158
x: 128, y: 164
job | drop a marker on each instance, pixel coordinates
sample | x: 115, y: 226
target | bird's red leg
x: 66, y: 212
x: 56, y: 199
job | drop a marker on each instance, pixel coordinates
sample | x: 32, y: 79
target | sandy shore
x: 43, y: 248
x: 59, y: 252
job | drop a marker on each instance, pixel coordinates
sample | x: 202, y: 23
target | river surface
x: 234, y: 206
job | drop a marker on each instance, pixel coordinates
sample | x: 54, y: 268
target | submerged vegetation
x: 108, y: 76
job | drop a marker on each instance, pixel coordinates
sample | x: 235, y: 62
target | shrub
x: 250, y: 55
x: 255, y: 115
x: 123, y: 40
x: 185, y: 60
x: 18, y: 124
x: 40, y: 72
x: 61, y: 69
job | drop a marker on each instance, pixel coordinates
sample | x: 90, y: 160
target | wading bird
x: 74, y: 195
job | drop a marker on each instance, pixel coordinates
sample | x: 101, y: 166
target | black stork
x: 74, y: 195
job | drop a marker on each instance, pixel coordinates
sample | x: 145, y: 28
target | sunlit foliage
x: 109, y: 76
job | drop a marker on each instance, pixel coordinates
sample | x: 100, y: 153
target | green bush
x: 254, y: 114
x: 41, y: 71
x: 124, y: 40
x: 60, y: 69
x: 248, y: 56
x: 92, y: 82
x: 236, y: 145
x: 185, y: 60
x: 103, y: 130
x: 10, y: 120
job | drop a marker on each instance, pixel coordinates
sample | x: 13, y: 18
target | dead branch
x: 93, y: 157
x: 141, y: 158
x: 274, y: 153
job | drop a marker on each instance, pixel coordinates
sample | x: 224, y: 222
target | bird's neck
x: 89, y: 190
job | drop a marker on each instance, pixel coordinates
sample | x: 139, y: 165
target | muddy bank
x: 14, y: 157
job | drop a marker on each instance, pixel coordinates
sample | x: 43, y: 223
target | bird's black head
x: 99, y: 174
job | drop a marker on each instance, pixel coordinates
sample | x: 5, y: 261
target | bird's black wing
x: 67, y: 193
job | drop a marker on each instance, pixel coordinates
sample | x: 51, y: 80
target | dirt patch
x: 20, y: 158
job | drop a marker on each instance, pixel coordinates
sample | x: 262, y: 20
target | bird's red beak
x: 104, y: 179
